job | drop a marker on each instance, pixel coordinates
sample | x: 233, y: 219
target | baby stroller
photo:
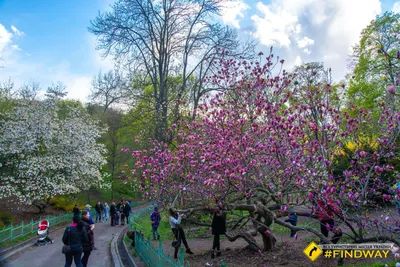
x: 43, y: 233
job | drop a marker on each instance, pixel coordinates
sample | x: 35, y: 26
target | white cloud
x: 331, y: 26
x: 16, y: 31
x: 231, y: 10
x: 305, y: 42
x: 5, y: 39
x: 15, y: 47
x: 275, y: 25
x: 396, y: 7
x: 21, y: 69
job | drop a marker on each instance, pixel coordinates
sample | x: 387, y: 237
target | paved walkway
x: 51, y: 256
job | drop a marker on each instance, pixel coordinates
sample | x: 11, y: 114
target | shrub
x: 6, y: 219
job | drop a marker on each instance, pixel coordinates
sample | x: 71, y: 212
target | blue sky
x: 48, y: 41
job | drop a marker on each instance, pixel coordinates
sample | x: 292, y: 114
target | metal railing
x: 13, y: 232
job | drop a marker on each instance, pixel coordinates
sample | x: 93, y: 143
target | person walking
x: 99, y: 208
x: 218, y: 227
x: 127, y: 210
x: 113, y: 213
x: 122, y: 213
x: 74, y: 236
x: 106, y: 212
x: 175, y: 222
x: 155, y: 218
x: 87, y: 246
x: 87, y: 208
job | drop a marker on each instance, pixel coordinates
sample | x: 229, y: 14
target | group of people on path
x: 120, y: 212
x: 79, y: 236
x: 218, y: 228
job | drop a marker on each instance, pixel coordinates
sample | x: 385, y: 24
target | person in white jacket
x: 106, y: 212
x: 175, y: 222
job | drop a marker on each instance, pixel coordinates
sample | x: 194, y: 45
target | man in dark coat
x: 113, y: 213
x: 218, y: 227
x: 127, y: 210
x: 99, y: 208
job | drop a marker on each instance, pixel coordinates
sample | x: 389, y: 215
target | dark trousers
x: 294, y: 223
x: 76, y: 256
x: 127, y: 218
x: 122, y: 218
x: 112, y: 219
x: 216, y: 242
x: 181, y: 238
x: 325, y: 231
x: 85, y: 258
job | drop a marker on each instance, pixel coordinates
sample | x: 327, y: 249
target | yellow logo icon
x: 312, y: 251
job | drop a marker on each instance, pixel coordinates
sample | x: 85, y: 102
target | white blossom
x: 45, y: 151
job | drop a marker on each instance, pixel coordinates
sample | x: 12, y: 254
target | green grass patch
x: 144, y: 224
x: 279, y: 229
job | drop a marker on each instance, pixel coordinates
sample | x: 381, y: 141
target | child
x: 117, y: 218
x: 155, y: 218
x: 122, y: 215
x: 292, y: 219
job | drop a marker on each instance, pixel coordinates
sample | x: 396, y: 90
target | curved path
x: 51, y: 256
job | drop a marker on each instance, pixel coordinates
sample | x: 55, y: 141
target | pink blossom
x: 391, y: 89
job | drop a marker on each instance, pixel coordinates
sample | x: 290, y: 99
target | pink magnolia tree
x: 258, y: 147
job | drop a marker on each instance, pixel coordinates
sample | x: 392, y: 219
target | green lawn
x: 144, y: 224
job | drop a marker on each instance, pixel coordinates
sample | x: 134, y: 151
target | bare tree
x: 109, y: 88
x: 29, y: 90
x: 160, y: 39
x: 56, y: 90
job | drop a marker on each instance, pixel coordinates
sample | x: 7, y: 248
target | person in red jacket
x: 326, y: 212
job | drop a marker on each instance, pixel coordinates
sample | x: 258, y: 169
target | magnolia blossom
x: 45, y: 154
x: 268, y: 138
x: 391, y: 89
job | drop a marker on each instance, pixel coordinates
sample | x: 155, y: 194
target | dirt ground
x: 287, y: 252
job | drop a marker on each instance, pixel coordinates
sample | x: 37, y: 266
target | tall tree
x: 166, y: 38
x: 47, y: 149
x: 376, y: 62
x: 109, y: 88
x: 264, y: 154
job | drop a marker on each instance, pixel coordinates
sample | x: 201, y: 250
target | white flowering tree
x: 47, y: 149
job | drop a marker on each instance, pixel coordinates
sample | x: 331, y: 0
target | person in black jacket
x: 74, y: 236
x: 127, y: 210
x: 99, y: 208
x: 218, y: 227
x: 87, y: 246
x: 113, y: 213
